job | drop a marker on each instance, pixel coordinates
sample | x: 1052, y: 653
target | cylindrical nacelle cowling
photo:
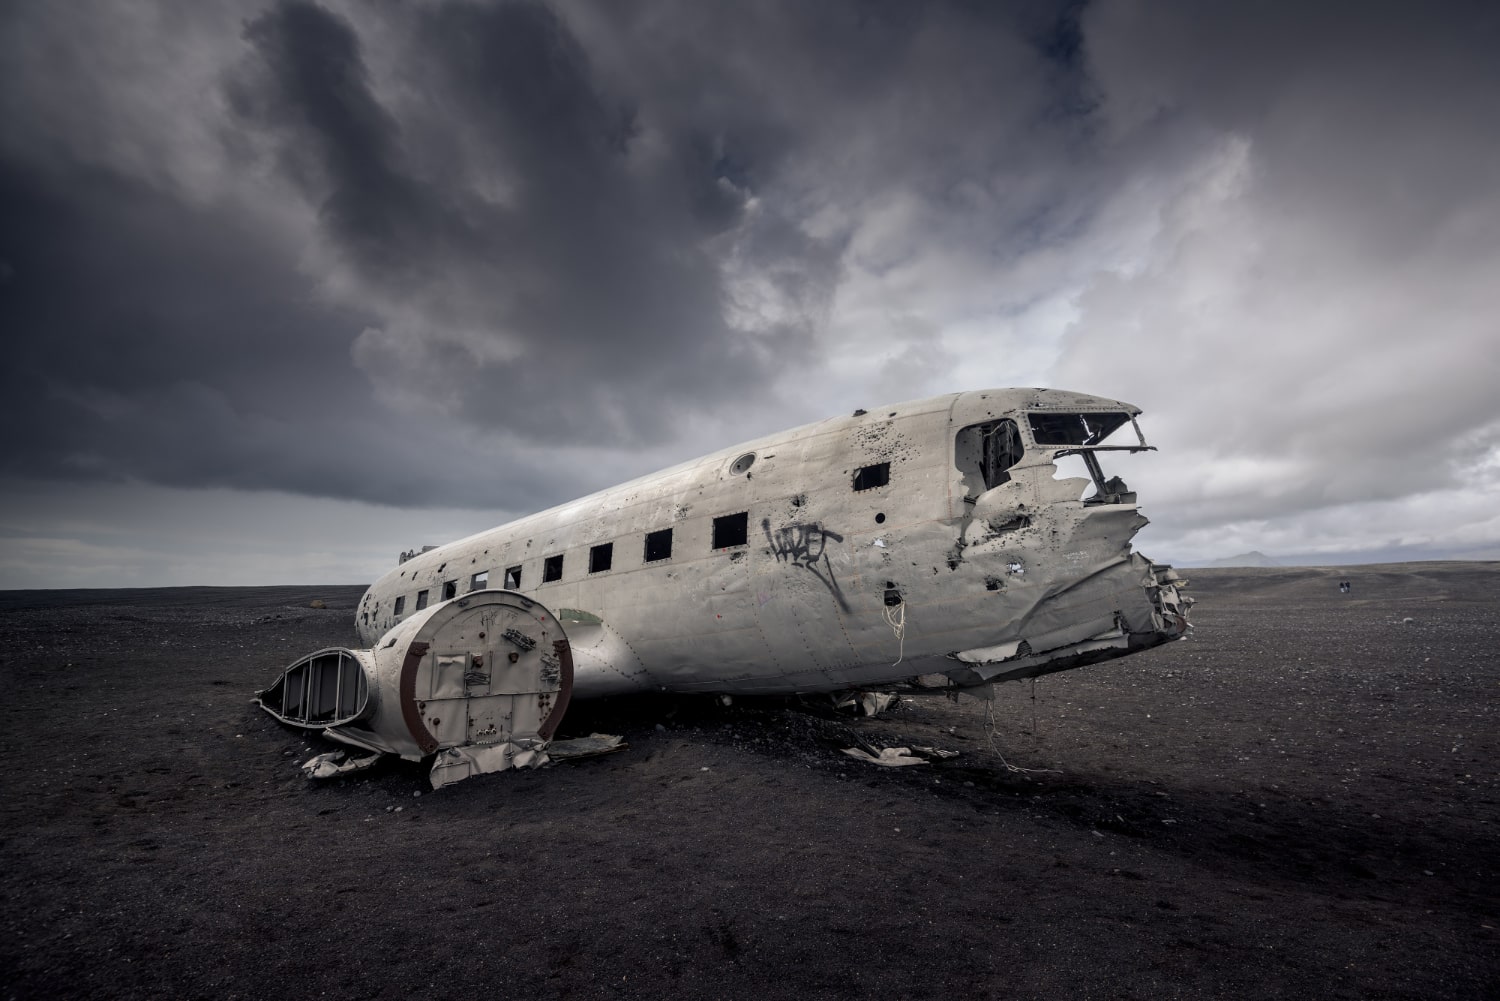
x: 489, y: 668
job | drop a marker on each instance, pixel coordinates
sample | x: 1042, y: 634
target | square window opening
x: 512, y: 578
x: 421, y: 600
x: 870, y: 477
x: 552, y: 569
x: 479, y: 581
x: 659, y: 545
x: 731, y: 530
x: 601, y: 556
x: 450, y: 590
x: 400, y: 605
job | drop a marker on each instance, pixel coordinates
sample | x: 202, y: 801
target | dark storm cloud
x: 579, y: 304
x: 161, y: 332
x: 462, y: 253
x: 118, y: 298
x: 523, y: 232
x: 337, y: 143
x: 144, y: 344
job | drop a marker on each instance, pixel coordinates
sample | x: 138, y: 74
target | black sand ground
x: 1300, y: 801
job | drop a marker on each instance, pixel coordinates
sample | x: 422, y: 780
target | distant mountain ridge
x: 1250, y: 559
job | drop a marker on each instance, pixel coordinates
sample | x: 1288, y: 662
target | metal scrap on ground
x: 591, y: 746
x: 897, y: 757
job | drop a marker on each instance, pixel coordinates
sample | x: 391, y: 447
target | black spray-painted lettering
x: 806, y: 546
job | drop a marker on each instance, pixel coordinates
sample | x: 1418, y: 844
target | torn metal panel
x: 454, y: 764
x: 1098, y: 617
x: 337, y: 763
x: 591, y: 746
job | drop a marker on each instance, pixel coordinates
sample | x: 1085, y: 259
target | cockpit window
x: 1074, y: 429
x: 983, y: 453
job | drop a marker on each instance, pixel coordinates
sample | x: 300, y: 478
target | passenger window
x: 552, y: 569
x: 601, y: 556
x: 421, y: 600
x: 479, y: 581
x: 870, y: 477
x: 450, y: 590
x: 400, y: 605
x: 658, y: 545
x: 512, y: 578
x: 731, y: 530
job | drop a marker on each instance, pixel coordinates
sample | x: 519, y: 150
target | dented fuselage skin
x: 929, y: 541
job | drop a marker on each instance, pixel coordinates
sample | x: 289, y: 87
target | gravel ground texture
x: 1298, y: 801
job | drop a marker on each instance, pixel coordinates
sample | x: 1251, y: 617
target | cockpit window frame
x: 1108, y: 490
x: 1057, y: 428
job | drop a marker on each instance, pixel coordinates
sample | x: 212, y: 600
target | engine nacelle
x: 481, y: 681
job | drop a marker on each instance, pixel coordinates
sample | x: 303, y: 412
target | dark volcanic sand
x: 1300, y: 801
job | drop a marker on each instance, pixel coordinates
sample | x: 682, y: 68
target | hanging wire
x: 1034, y: 739
x: 895, y: 617
x: 991, y: 728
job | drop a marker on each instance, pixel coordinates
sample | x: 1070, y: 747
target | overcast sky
x: 287, y: 288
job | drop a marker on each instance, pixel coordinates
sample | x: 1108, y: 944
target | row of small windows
x: 658, y: 547
x: 729, y: 530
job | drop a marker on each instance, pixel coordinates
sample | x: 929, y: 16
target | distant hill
x: 1250, y: 559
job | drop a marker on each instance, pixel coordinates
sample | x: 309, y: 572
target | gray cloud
x: 1312, y: 318
x: 494, y: 255
x: 307, y: 88
x: 148, y: 346
x: 550, y: 281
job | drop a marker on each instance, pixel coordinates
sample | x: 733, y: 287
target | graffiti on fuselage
x: 806, y: 546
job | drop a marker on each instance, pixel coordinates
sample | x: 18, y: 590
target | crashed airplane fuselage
x: 932, y: 543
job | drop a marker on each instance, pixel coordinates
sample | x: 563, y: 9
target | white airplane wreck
x: 936, y: 545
